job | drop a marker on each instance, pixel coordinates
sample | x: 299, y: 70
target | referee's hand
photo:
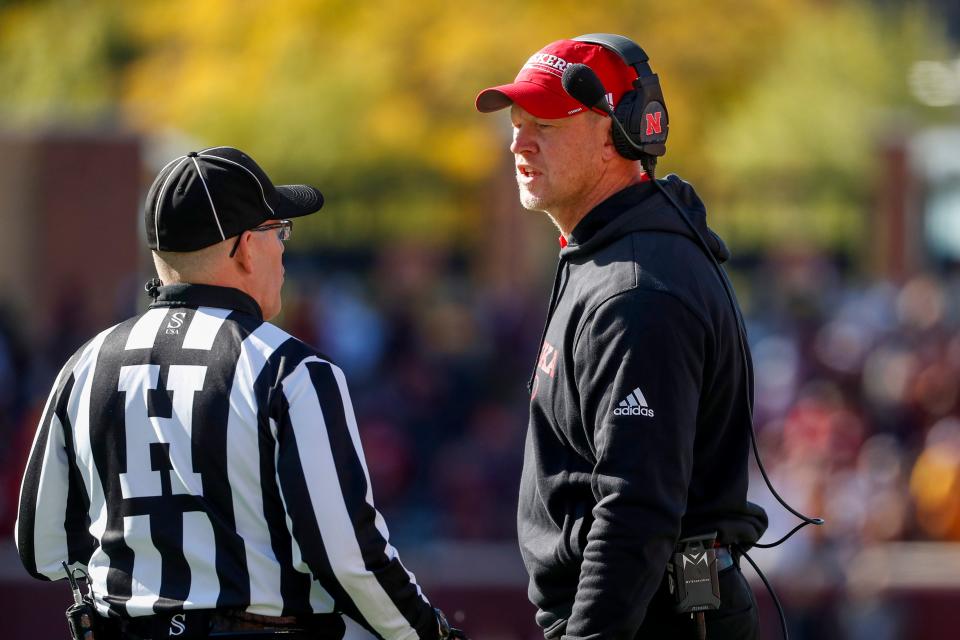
x: 446, y: 631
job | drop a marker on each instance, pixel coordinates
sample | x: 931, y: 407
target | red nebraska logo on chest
x: 548, y: 359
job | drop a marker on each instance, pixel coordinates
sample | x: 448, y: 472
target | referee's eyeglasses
x: 284, y: 229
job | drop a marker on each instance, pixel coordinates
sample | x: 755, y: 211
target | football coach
x: 639, y: 428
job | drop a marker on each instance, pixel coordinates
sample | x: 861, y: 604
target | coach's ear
x: 609, y: 150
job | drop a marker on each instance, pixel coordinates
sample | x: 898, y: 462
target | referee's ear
x: 244, y: 255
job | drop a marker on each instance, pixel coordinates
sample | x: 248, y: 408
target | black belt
x: 226, y: 625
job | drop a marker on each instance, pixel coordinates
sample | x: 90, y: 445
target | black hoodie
x: 639, y: 423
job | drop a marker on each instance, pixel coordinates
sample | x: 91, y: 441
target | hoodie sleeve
x: 639, y: 366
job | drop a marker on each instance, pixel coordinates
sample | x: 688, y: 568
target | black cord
x: 649, y: 164
x: 804, y: 520
x: 787, y: 537
x: 776, y: 600
x: 152, y: 287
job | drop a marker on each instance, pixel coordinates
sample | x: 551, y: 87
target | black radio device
x: 692, y: 575
x: 694, y: 580
x: 82, y: 618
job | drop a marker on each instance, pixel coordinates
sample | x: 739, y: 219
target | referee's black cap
x: 205, y: 197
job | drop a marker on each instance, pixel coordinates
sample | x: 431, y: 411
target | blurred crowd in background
x: 857, y: 395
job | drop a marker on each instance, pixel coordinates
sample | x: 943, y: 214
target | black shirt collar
x: 608, y: 210
x: 205, y: 295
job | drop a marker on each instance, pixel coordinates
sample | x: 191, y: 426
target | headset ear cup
x: 626, y: 113
x: 653, y: 126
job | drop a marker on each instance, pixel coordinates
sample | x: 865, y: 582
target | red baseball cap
x: 537, y: 88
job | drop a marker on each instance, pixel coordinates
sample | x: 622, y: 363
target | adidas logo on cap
x: 634, y: 405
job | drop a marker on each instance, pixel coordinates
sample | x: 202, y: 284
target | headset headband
x: 628, y: 50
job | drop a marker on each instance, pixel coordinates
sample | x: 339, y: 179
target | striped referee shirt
x: 197, y: 457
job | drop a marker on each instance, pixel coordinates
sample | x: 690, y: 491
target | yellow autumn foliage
x: 374, y: 100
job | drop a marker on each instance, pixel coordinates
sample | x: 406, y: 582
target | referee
x: 202, y: 465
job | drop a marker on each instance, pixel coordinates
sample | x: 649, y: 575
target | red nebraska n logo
x: 653, y: 123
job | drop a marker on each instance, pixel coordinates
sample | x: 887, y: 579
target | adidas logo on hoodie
x: 634, y: 405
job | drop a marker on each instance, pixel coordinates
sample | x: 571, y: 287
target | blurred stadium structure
x: 427, y: 283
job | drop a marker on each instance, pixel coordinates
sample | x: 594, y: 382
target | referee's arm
x: 52, y: 492
x: 342, y: 538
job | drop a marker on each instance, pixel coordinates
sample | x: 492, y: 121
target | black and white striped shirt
x: 197, y: 457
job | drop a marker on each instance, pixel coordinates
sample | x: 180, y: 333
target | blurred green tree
x: 60, y: 62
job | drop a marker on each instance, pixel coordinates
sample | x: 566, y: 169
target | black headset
x: 642, y: 112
